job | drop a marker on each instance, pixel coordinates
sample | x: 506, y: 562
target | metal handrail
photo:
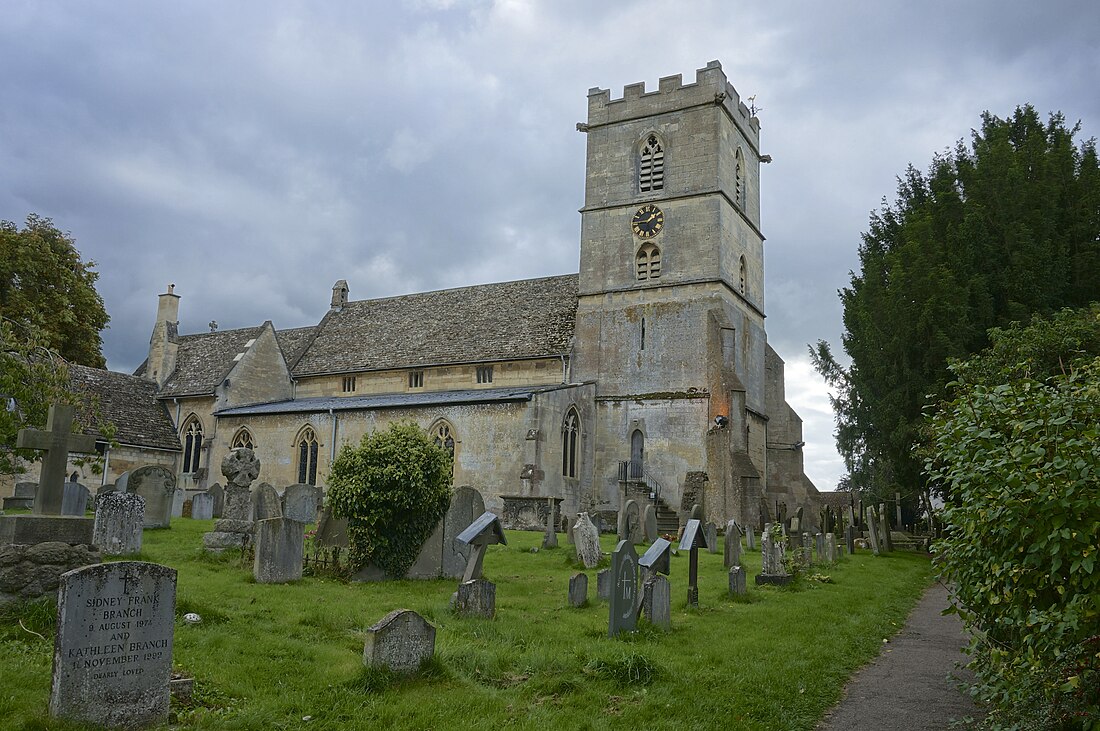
x: 634, y: 471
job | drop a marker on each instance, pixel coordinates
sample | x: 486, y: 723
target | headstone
x: 113, y: 649
x: 772, y: 549
x: 884, y: 534
x: 122, y: 482
x: 158, y: 486
x: 630, y: 522
x: 401, y: 641
x: 750, y: 538
x: 266, y: 503
x: 107, y: 489
x: 178, y: 498
x: 711, y: 531
x: 649, y: 523
x: 202, y: 506
x: 484, y: 532
x: 819, y: 546
x: 578, y: 589
x: 657, y: 601
x: 74, y: 500
x: 466, y: 506
x: 872, y: 531
x: 807, y: 550
x: 119, y: 519
x: 623, y: 612
x: 550, y: 536
x: 569, y: 532
x: 279, y: 551
x: 603, y: 584
x: 656, y: 559
x: 696, y: 512
x: 332, y: 532
x: 300, y: 503
x: 586, y: 539
x: 732, y: 555
x: 57, y: 441
x: 850, y: 539
x: 217, y: 492
x: 737, y: 581
x: 830, y: 548
x: 476, y: 598
x: 693, y: 539
x: 23, y: 497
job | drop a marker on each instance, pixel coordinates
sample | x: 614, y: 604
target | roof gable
x: 203, y: 360
x: 130, y: 403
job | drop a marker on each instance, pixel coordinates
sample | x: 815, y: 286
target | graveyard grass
x: 269, y: 656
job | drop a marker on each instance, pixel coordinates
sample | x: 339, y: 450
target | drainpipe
x: 332, y: 448
x: 106, y: 464
x: 564, y: 370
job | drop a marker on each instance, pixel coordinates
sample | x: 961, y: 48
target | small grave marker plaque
x: 657, y: 559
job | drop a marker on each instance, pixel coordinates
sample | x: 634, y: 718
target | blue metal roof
x: 391, y: 401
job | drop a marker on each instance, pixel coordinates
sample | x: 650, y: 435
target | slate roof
x: 293, y: 342
x: 130, y: 403
x: 203, y: 360
x: 529, y: 318
x: 391, y: 401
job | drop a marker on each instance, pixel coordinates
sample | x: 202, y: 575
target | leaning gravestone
x: 649, y: 521
x: 118, y: 523
x: 603, y: 584
x: 401, y: 641
x: 266, y: 502
x: 578, y: 589
x: 278, y: 557
x: 732, y: 555
x: 122, y: 482
x: 202, y: 506
x: 586, y: 539
x: 476, y: 598
x: 623, y: 612
x: 872, y: 531
x: 112, y: 658
x: 217, y: 492
x: 74, y: 501
x: 158, y: 486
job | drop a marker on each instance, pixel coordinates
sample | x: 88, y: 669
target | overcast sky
x: 253, y: 153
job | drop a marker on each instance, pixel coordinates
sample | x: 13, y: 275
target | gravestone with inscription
x: 750, y: 538
x: 732, y: 555
x: 578, y: 589
x: 830, y: 548
x: 401, y: 641
x: 279, y: 551
x: 158, y: 486
x: 119, y: 519
x: 586, y: 539
x: 300, y: 503
x: 113, y: 650
x: 630, y: 522
x: 623, y: 611
x: 773, y: 546
x: 737, y: 581
x: 266, y: 502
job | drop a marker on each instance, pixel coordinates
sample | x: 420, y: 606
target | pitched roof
x: 838, y: 500
x: 293, y: 342
x: 203, y: 360
x: 130, y: 403
x: 529, y: 318
x: 391, y: 401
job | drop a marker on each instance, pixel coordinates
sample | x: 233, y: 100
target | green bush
x: 1021, y: 462
x: 393, y: 489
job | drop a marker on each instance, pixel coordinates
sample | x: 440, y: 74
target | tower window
x: 648, y: 262
x: 651, y: 165
x: 742, y: 277
x: 485, y: 374
x: 307, y: 457
x: 349, y: 384
x: 416, y: 379
x: 739, y: 181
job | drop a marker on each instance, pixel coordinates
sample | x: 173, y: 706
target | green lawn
x: 268, y: 656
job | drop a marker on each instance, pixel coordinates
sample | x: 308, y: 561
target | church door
x: 637, y: 454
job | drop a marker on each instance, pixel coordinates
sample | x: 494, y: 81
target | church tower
x: 670, y: 320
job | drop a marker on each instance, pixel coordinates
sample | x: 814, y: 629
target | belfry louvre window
x: 192, y: 445
x: 651, y: 165
x: 485, y: 374
x: 648, y: 262
x: 416, y: 379
x: 349, y: 384
x: 307, y: 457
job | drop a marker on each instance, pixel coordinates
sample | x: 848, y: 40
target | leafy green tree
x: 48, y: 292
x: 990, y: 235
x: 1018, y: 446
x: 393, y: 489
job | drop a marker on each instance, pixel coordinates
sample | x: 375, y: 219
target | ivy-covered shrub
x: 1021, y: 462
x: 393, y: 489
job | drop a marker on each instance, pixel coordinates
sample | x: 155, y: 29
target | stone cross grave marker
x: 401, y: 641
x: 732, y: 555
x: 623, y: 612
x: 57, y: 442
x: 479, y: 535
x: 112, y: 655
x: 694, y: 539
x: 119, y: 519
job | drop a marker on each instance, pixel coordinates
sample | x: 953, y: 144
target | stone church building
x: 646, y: 375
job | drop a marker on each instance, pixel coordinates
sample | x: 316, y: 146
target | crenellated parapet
x: 672, y: 94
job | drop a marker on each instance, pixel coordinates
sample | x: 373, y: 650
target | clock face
x: 647, y: 222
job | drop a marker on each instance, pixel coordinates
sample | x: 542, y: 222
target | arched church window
x: 192, y: 444
x: 569, y: 430
x: 651, y: 165
x: 442, y: 433
x: 742, y: 276
x: 242, y: 440
x: 307, y: 456
x: 739, y: 180
x: 648, y: 262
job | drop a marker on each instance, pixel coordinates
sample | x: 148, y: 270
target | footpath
x: 913, y: 684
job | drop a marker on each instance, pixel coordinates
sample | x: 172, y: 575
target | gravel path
x: 912, y: 684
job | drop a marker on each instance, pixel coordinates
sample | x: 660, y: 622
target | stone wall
x: 28, y: 572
